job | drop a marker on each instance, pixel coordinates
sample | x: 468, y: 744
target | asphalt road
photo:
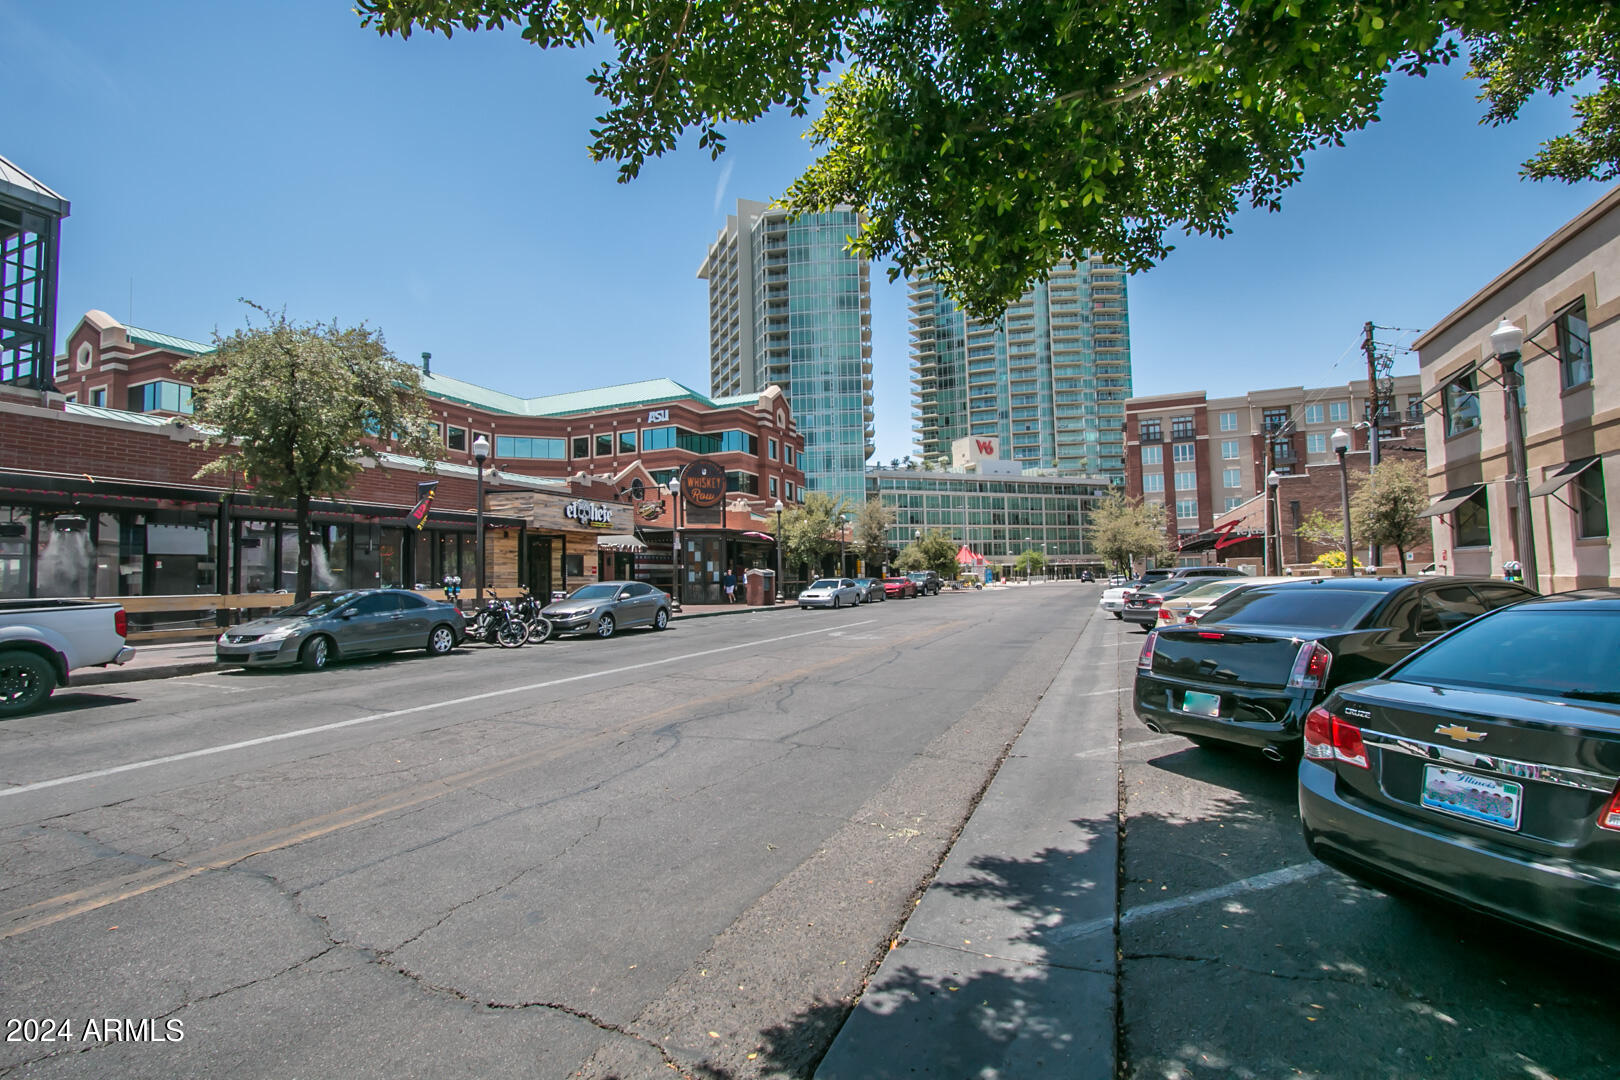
x: 667, y: 853
x: 1241, y: 956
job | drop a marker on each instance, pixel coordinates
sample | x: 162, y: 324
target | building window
x: 98, y: 397
x: 1186, y: 481
x: 83, y: 359
x: 1153, y: 455
x: 1153, y: 481
x: 1184, y: 452
x: 511, y: 446
x: 1591, y: 504
x: 1275, y: 420
x: 745, y: 482
x: 772, y: 445
x: 1186, y: 508
x: 456, y: 438
x: 1472, y: 522
x: 604, y: 445
x: 1338, y: 411
x: 1228, y: 421
x: 658, y: 438
x: 1462, y: 404
x: 1234, y: 501
x: 1182, y: 427
x: 788, y: 456
x: 160, y: 397
x: 1316, y: 442
x: 1314, y: 414
x: 627, y: 442
x: 1149, y: 431
x: 71, y: 398
x: 1574, y: 346
x: 1231, y: 478
x: 1229, y: 449
x: 581, y: 447
x: 773, y: 487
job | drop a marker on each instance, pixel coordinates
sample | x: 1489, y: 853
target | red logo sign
x: 985, y: 446
x: 1225, y: 537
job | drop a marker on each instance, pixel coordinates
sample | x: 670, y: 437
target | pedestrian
x: 729, y: 580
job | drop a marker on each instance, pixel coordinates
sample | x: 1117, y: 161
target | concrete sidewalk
x: 1007, y: 966
x: 195, y: 657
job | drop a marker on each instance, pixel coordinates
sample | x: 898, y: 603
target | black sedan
x: 1263, y: 657
x: 1485, y: 768
x: 1142, y: 606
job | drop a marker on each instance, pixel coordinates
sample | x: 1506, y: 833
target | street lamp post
x: 1340, y: 440
x: 1273, y: 478
x: 1506, y: 341
x: 778, y: 583
x: 1026, y: 561
x: 843, y: 525
x: 675, y: 521
x: 480, y: 449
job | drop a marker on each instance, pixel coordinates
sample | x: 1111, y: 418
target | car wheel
x: 316, y: 653
x: 441, y: 640
x: 604, y: 626
x: 837, y: 602
x: 661, y: 620
x: 26, y: 680
x: 1117, y: 615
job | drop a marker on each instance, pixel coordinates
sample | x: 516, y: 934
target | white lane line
x: 1288, y: 875
x: 1102, y: 750
x: 373, y: 717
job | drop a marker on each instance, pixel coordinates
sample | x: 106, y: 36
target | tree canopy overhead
x: 991, y: 140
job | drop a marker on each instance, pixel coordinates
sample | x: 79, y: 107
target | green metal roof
x: 167, y: 341
x: 622, y: 396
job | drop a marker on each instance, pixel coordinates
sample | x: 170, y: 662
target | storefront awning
x: 1448, y: 502
x: 620, y: 542
x: 1562, y: 475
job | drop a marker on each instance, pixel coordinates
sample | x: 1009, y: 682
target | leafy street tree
x: 1385, y: 504
x: 1123, y: 530
x: 934, y: 551
x: 293, y: 405
x: 810, y: 532
x: 871, y: 535
x: 990, y: 142
x: 1029, y: 562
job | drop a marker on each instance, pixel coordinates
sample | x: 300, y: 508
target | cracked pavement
x: 655, y: 873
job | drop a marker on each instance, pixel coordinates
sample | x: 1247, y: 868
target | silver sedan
x: 830, y: 592
x: 340, y: 625
x: 605, y: 606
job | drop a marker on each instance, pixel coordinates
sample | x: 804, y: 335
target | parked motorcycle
x: 528, y: 609
x: 498, y: 624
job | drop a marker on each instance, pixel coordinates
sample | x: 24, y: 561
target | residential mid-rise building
x: 789, y: 306
x: 1200, y: 457
x: 1565, y: 297
x: 1049, y: 378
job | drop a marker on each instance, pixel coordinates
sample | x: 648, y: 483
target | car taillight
x: 1310, y: 667
x: 1164, y: 615
x: 121, y: 623
x: 1144, y: 662
x: 1330, y: 738
x: 1610, y: 816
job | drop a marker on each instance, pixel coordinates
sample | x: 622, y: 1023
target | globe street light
x: 843, y: 524
x: 1026, y: 561
x: 1274, y: 538
x: 480, y: 450
x: 778, y: 583
x: 1506, y: 341
x: 1340, y: 441
x: 675, y: 521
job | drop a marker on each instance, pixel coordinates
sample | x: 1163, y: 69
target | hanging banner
x: 424, y: 492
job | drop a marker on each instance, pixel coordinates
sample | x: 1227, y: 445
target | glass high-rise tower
x: 1050, y: 377
x: 789, y: 306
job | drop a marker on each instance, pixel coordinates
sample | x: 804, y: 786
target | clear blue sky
x: 440, y: 190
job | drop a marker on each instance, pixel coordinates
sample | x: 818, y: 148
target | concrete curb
x: 98, y: 677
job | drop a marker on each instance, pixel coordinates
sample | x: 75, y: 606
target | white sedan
x: 830, y: 592
x: 1113, y: 599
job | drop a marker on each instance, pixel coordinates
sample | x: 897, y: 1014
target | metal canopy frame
x: 30, y: 240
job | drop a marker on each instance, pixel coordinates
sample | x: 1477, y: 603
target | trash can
x: 761, y: 587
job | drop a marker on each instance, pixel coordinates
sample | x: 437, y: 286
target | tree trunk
x: 1400, y: 553
x: 301, y: 524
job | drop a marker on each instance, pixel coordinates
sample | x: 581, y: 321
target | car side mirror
x: 346, y: 614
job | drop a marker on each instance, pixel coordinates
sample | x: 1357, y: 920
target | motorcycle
x: 498, y: 624
x: 528, y: 609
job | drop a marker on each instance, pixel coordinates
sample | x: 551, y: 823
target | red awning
x: 966, y: 556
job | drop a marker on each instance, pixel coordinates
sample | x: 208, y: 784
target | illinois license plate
x: 1201, y: 704
x: 1477, y: 798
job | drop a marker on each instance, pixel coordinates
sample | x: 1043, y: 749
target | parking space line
x: 1288, y: 875
x: 391, y: 714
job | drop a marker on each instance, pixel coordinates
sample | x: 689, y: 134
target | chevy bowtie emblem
x: 1460, y: 733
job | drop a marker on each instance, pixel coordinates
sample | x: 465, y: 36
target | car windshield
x: 824, y: 583
x: 600, y: 591
x: 1565, y: 654
x: 316, y: 606
x: 1308, y: 606
x: 1174, y: 587
x: 1208, y: 590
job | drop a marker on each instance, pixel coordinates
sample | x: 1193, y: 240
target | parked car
x: 341, y: 626
x: 1263, y: 657
x: 1484, y: 768
x: 1085, y: 575
x: 1195, y: 603
x: 927, y: 582
x: 1142, y: 605
x: 871, y: 589
x: 43, y: 642
x: 830, y: 592
x: 1113, y: 597
x: 901, y: 588
x: 605, y: 606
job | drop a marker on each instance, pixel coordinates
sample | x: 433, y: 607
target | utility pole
x: 1374, y: 403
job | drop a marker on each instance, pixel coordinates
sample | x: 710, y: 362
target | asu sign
x: 703, y: 484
